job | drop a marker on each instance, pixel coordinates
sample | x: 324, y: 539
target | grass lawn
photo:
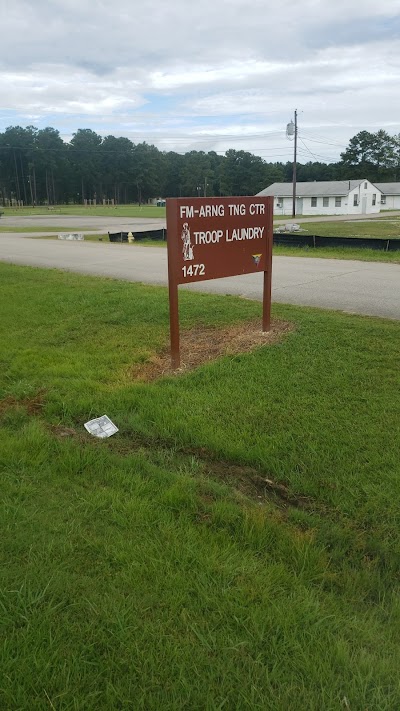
x: 40, y: 228
x: 100, y: 211
x: 364, y: 255
x: 372, y: 228
x: 383, y: 228
x: 143, y: 571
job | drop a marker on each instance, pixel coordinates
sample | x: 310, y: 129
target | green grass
x: 372, y: 228
x: 132, y: 576
x: 143, y: 211
x: 41, y: 228
x: 361, y: 254
x: 379, y: 228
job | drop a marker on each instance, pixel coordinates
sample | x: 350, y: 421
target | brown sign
x: 210, y: 238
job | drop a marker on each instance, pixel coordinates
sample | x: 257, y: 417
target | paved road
x: 357, y: 287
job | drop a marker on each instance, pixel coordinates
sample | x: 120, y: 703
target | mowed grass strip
x: 383, y: 227
x: 359, y: 253
x: 132, y: 576
x: 40, y: 228
x: 89, y: 211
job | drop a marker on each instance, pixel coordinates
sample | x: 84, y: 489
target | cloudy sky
x: 207, y: 75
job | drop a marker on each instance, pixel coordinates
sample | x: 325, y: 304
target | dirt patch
x: 255, y: 486
x: 61, y: 432
x: 203, y: 344
x: 244, y: 479
x: 247, y: 480
x: 33, y: 405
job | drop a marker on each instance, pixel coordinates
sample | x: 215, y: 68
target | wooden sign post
x: 211, y: 238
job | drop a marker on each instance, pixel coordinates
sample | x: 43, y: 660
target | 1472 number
x: 194, y: 270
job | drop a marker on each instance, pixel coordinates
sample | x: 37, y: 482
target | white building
x: 333, y: 197
x: 390, y: 199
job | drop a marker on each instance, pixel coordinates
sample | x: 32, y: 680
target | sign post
x: 211, y: 238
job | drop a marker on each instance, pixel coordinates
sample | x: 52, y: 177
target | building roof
x: 389, y: 188
x: 313, y: 189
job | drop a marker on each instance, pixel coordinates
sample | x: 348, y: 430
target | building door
x: 364, y: 205
x: 299, y: 206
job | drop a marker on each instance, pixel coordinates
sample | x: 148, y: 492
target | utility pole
x: 291, y: 130
x: 294, y: 165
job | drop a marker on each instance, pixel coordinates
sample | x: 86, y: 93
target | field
x: 360, y: 253
x: 383, y: 228
x: 43, y: 228
x: 235, y: 545
x: 99, y: 211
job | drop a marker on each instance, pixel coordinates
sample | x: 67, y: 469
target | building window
x: 374, y: 198
x: 279, y: 201
x: 383, y: 200
x: 325, y: 202
x: 365, y: 186
x: 356, y: 201
x: 338, y: 202
x: 313, y: 202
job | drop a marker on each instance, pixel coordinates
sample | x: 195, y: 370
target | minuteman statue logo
x: 187, y: 248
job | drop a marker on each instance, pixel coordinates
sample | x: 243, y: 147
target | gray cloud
x: 182, y: 72
x: 118, y: 34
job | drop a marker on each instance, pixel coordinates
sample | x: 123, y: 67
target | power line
x: 221, y: 136
x: 101, y: 151
x: 192, y: 138
x: 324, y: 141
x: 267, y: 154
x: 316, y: 156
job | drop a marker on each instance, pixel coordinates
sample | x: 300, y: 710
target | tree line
x: 38, y: 167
